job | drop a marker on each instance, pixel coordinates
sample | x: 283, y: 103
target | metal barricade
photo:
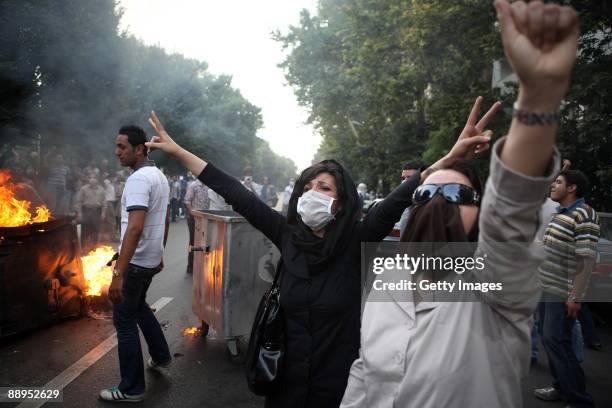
x: 233, y: 266
x: 41, y: 275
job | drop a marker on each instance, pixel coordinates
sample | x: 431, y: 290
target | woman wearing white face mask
x: 320, y: 241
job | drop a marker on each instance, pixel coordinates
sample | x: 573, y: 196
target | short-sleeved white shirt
x: 146, y: 189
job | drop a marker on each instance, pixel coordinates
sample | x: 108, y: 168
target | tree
x: 390, y: 81
x: 383, y: 86
x: 68, y: 75
x: 585, y: 136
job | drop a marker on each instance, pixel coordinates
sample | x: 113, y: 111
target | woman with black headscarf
x: 320, y: 242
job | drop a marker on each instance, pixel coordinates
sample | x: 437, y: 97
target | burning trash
x: 97, y: 274
x: 41, y: 277
x: 191, y: 331
x: 15, y: 212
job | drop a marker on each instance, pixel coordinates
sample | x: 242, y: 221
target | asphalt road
x: 202, y: 374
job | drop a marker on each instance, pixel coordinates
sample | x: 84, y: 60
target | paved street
x: 202, y: 374
x: 597, y: 367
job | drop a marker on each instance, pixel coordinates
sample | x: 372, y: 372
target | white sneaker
x: 158, y: 367
x: 115, y: 395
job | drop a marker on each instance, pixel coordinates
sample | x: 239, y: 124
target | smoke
x: 69, y: 79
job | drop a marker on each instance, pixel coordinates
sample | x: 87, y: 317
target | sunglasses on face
x: 453, y: 192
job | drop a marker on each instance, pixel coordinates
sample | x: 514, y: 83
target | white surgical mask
x: 315, y: 209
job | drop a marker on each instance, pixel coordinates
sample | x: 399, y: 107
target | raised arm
x: 540, y: 42
x: 256, y: 212
x: 473, y: 140
x: 164, y: 142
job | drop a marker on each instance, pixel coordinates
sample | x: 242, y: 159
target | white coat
x: 460, y: 354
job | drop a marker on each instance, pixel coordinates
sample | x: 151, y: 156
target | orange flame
x: 97, y: 274
x: 14, y: 212
x: 190, y: 330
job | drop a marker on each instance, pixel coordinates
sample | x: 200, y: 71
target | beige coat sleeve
x: 508, y: 223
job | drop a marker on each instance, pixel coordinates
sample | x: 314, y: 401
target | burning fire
x: 14, y: 212
x: 96, y: 273
x: 190, y: 330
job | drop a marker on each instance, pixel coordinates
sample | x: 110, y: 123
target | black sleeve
x: 245, y: 202
x: 380, y: 220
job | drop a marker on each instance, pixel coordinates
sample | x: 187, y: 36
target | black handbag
x: 265, y: 355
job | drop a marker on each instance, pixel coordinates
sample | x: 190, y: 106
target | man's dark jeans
x: 132, y: 313
x: 556, y: 331
x: 90, y: 227
x: 591, y: 337
x: 174, y: 209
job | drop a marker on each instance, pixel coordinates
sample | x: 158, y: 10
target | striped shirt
x: 573, y: 232
x: 57, y: 175
x: 197, y: 196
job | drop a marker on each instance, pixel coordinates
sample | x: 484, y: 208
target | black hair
x: 136, y: 136
x: 414, y: 165
x: 326, y: 166
x: 468, y: 169
x: 577, y: 178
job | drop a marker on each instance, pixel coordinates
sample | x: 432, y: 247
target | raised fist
x: 540, y: 42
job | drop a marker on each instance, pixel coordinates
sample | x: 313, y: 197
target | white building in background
x: 503, y: 76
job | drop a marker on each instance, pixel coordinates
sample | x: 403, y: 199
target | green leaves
x: 405, y: 73
x: 395, y: 70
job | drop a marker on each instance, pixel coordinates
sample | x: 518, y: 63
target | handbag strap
x: 276, y: 282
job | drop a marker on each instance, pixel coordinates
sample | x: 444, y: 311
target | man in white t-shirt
x: 144, y: 230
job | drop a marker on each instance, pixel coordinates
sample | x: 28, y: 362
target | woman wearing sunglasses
x: 418, y: 352
x: 320, y: 243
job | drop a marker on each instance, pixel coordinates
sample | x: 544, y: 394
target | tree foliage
x: 390, y: 81
x: 68, y: 75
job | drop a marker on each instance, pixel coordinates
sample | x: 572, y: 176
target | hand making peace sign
x: 162, y: 141
x: 474, y: 139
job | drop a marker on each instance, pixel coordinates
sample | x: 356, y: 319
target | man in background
x: 362, y: 193
x: 109, y: 213
x: 175, y: 195
x: 268, y: 193
x: 247, y: 181
x: 90, y: 204
x: 287, y: 195
x: 196, y: 198
x: 407, y: 171
x: 570, y: 242
x: 56, y: 186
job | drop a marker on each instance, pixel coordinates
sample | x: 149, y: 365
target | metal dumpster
x: 233, y: 266
x: 40, y: 275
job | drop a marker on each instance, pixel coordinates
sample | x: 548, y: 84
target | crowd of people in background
x: 92, y: 192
